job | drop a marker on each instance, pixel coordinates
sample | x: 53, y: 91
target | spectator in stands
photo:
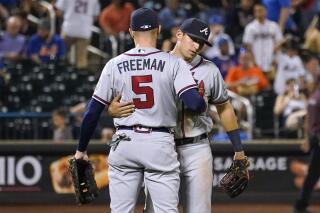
x: 76, y: 112
x: 12, y: 43
x: 217, y: 31
x: 169, y: 43
x: 312, y: 36
x: 290, y: 107
x: 4, y: 80
x: 244, y: 15
x: 62, y: 132
x: 225, y: 60
x: 279, y: 11
x: 262, y: 36
x: 78, y: 17
x: 311, y: 65
x: 44, y: 47
x: 27, y: 28
x: 105, y: 128
x: 155, y: 5
x: 246, y: 79
x: 311, y: 144
x: 115, y: 18
x: 289, y: 66
x: 171, y: 15
x: 305, y: 10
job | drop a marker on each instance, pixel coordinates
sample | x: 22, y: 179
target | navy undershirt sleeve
x: 89, y: 123
x: 193, y: 100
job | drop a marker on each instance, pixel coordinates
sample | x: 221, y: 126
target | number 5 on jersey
x: 142, y: 90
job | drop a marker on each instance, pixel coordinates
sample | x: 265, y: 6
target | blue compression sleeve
x: 234, y: 136
x: 193, y: 100
x: 89, y: 123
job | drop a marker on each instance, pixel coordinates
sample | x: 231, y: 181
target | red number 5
x: 139, y: 90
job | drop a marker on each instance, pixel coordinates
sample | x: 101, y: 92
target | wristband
x: 234, y: 136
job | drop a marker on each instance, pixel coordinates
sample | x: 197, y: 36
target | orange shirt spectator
x: 246, y: 79
x: 115, y: 18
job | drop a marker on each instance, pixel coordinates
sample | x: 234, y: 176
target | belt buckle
x: 138, y: 129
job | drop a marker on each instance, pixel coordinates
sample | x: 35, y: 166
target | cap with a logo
x: 143, y: 19
x: 197, y: 29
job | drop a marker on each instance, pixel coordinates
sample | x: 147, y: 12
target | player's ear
x: 179, y: 34
x: 159, y: 29
x: 131, y: 33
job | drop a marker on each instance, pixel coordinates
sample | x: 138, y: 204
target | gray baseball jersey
x: 206, y: 74
x: 196, y: 158
x: 151, y: 79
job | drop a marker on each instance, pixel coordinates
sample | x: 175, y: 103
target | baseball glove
x: 85, y: 186
x: 235, y: 181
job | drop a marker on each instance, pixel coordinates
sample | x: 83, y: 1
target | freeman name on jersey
x: 141, y: 65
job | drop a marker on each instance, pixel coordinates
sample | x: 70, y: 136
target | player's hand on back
x: 119, y: 109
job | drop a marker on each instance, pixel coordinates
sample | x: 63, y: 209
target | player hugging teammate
x: 190, y: 133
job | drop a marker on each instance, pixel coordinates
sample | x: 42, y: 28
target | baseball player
x: 191, y: 139
x: 143, y: 147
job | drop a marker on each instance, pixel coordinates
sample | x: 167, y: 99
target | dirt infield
x: 219, y: 208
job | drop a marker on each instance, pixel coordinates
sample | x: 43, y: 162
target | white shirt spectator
x: 288, y: 67
x: 78, y: 16
x: 262, y: 38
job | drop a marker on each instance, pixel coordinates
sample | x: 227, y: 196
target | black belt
x: 184, y: 141
x: 145, y: 129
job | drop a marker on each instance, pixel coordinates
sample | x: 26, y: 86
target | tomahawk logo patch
x: 205, y: 31
x: 145, y: 26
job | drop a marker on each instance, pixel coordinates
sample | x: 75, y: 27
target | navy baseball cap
x: 144, y: 19
x: 195, y: 28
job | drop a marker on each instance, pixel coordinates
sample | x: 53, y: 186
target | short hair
x: 290, y: 80
x: 60, y: 113
x: 292, y: 44
x: 261, y: 5
x: 307, y: 56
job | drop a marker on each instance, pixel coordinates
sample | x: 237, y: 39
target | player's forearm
x: 89, y: 123
x: 229, y: 122
x: 192, y: 99
x: 227, y: 116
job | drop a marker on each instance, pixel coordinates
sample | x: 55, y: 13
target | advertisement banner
x: 45, y: 178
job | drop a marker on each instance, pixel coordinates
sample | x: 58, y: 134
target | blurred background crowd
x: 52, y: 53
